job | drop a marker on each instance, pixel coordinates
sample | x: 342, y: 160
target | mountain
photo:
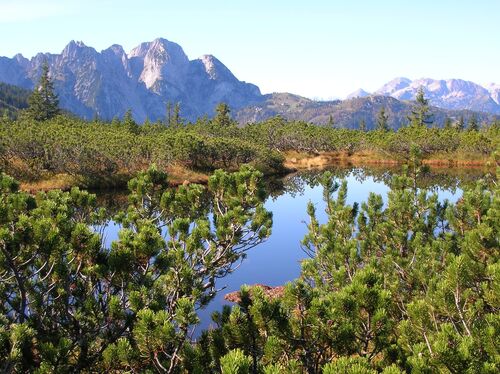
x: 453, y: 94
x: 12, y: 98
x: 358, y: 93
x: 110, y: 82
x: 393, y: 86
x: 345, y: 113
x: 494, y: 90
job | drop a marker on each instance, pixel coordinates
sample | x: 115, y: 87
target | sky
x: 315, y: 48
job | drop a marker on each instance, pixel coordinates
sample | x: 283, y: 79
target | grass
x: 303, y: 160
x: 178, y: 174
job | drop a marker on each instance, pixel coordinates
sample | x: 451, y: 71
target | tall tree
x: 331, y: 122
x: 129, y: 122
x: 222, y: 115
x: 169, y: 113
x: 362, y: 125
x: 43, y: 102
x: 473, y: 123
x: 382, y: 120
x: 420, y: 114
x: 460, y: 125
x: 176, y: 119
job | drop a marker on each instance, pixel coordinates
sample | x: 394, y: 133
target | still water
x: 277, y: 260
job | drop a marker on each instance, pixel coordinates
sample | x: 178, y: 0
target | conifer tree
x: 362, y: 125
x: 460, y: 125
x: 129, y: 122
x: 382, y: 120
x: 420, y: 114
x: 331, y: 123
x: 176, y: 118
x: 169, y: 113
x: 43, y: 102
x: 473, y: 123
x: 222, y: 115
x: 69, y: 304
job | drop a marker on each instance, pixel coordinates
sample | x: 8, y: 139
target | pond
x: 277, y: 260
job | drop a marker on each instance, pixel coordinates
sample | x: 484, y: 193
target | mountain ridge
x: 454, y: 94
x: 348, y: 113
x: 106, y: 84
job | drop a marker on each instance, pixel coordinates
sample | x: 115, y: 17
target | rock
x: 272, y: 292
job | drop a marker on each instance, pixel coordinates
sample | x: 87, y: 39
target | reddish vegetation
x: 272, y: 292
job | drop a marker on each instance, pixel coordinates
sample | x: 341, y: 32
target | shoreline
x: 294, y: 161
x: 303, y: 160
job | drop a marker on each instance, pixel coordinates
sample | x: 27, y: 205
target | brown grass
x: 58, y: 181
x: 178, y: 174
x: 302, y: 160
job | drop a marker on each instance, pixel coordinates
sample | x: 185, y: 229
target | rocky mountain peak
x: 447, y: 94
x: 110, y: 82
x: 159, y: 61
x: 215, y: 69
x: 115, y: 49
x: 358, y: 93
x: 77, y: 50
x: 394, y: 85
x: 494, y: 90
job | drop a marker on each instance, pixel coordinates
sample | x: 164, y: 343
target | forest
x: 405, y: 283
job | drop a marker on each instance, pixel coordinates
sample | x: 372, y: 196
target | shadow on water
x: 277, y: 261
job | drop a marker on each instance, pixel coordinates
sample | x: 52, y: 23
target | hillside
x: 347, y: 113
x: 12, y: 98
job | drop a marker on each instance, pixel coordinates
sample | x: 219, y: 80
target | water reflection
x: 277, y: 261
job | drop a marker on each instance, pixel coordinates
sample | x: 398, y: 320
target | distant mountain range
x: 108, y: 83
x: 447, y: 94
x: 346, y: 113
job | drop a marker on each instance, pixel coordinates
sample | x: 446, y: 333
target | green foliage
x: 235, y: 362
x: 43, y: 102
x: 129, y: 122
x: 108, y: 154
x: 222, y: 117
x: 473, y: 124
x: 12, y: 99
x: 382, y: 120
x: 362, y: 125
x: 70, y: 304
x: 101, y: 154
x: 460, y: 125
x: 410, y: 286
x: 420, y: 115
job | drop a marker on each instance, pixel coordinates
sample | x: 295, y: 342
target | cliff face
x: 110, y: 82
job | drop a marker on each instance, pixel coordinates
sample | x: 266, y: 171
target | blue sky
x: 319, y: 49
